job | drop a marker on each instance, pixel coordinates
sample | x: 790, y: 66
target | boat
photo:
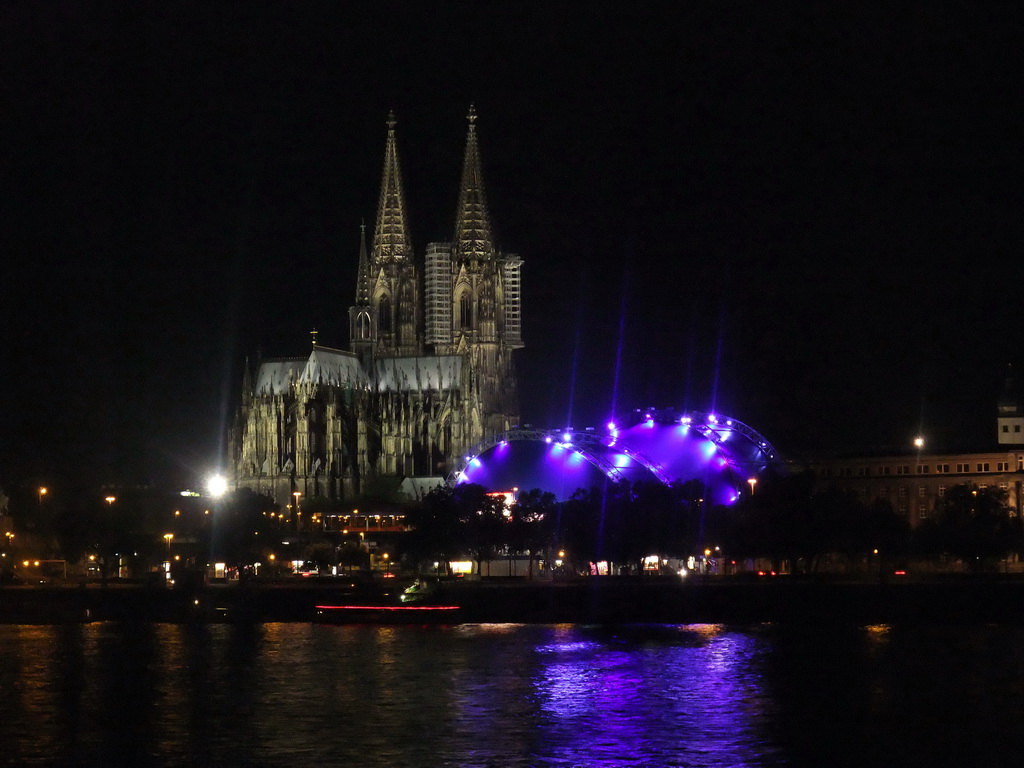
x: 420, y: 603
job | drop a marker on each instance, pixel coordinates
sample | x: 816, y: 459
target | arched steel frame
x: 594, y: 448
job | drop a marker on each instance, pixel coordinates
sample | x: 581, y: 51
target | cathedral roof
x: 323, y: 366
x: 338, y: 368
x: 334, y: 366
x: 400, y: 374
x: 274, y: 377
x: 473, y: 237
x: 391, y: 240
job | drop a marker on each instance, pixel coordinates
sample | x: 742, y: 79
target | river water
x: 510, y: 695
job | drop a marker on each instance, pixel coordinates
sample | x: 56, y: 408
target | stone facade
x: 914, y: 481
x: 430, y: 371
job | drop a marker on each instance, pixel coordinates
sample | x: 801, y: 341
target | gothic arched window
x: 465, y: 311
x: 362, y: 326
x: 384, y: 315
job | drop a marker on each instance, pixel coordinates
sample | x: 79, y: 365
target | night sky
x: 805, y: 218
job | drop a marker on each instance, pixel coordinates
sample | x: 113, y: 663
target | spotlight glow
x: 667, y: 447
x: 216, y: 485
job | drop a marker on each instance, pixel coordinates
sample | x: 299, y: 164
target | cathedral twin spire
x: 473, y: 236
x: 391, y: 240
x: 466, y: 284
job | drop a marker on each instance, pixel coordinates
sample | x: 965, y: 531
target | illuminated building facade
x: 915, y: 481
x: 430, y: 367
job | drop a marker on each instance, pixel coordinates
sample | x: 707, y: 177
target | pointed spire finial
x: 313, y: 334
x: 473, y: 236
x: 363, y: 275
x: 391, y: 120
x: 391, y: 239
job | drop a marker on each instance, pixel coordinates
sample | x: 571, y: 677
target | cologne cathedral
x: 429, y: 372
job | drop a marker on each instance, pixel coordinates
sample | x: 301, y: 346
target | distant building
x: 1010, y: 422
x: 429, y: 371
x: 914, y: 481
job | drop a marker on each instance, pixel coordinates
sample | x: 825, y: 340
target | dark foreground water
x: 510, y: 695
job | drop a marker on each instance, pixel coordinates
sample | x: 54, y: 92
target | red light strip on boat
x: 387, y: 607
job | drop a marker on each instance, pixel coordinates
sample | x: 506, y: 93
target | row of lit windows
x: 920, y: 469
x: 922, y: 490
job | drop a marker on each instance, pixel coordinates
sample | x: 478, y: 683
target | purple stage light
x: 662, y: 448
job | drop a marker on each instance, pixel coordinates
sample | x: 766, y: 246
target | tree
x: 885, y: 531
x: 351, y: 555
x: 971, y: 523
x: 579, y: 526
x: 481, y: 521
x: 240, y: 528
x: 533, y: 520
x: 773, y: 522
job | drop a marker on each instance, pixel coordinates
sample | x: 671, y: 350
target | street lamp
x: 167, y: 538
x: 752, y: 482
x: 43, y: 490
x: 919, y: 442
x: 110, y: 501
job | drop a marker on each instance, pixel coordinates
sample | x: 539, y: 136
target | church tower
x: 1010, y: 421
x: 408, y: 398
x: 385, y: 318
x: 360, y: 324
x: 473, y: 296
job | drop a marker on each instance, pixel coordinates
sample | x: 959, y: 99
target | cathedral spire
x: 363, y: 278
x: 391, y: 241
x: 246, y: 382
x: 473, y: 238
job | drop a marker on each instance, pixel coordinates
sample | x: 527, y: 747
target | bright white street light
x: 217, y: 486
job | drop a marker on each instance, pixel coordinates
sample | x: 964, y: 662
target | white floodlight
x: 217, y: 486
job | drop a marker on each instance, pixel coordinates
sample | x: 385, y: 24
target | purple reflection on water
x: 655, y: 696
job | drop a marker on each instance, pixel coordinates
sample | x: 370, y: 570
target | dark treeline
x: 791, y: 520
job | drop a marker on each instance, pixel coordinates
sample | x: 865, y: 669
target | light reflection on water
x: 680, y: 695
x: 507, y: 695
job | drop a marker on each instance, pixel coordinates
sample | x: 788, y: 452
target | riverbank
x: 588, y: 601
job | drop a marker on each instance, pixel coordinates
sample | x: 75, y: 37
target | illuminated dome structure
x: 724, y: 454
